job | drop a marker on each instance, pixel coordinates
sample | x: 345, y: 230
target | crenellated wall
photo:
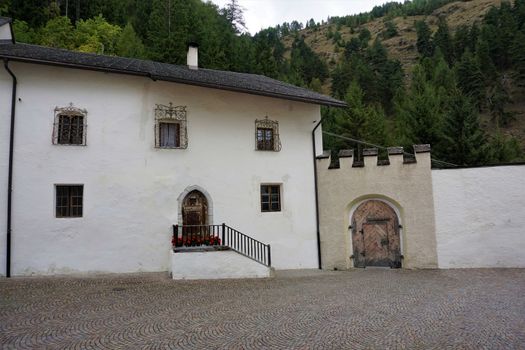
x: 404, y: 185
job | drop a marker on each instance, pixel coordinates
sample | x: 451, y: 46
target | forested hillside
x: 449, y: 73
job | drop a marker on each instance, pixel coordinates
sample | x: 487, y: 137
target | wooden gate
x: 375, y: 235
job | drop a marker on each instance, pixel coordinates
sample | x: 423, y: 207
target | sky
x: 260, y: 14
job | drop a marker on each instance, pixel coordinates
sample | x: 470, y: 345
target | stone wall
x: 404, y: 185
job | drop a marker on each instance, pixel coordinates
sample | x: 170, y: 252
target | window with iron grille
x: 69, y: 201
x: 70, y: 126
x: 267, y: 135
x: 270, y: 198
x: 170, y: 126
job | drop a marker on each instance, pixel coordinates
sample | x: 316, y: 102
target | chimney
x: 193, y: 55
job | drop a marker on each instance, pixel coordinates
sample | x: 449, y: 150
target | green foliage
x: 96, y: 35
x: 420, y: 112
x: 518, y: 57
x: 58, y: 32
x: 498, y: 97
x: 234, y: 15
x: 424, y: 44
x: 307, y: 63
x: 129, y: 44
x: 365, y: 36
x: 470, y: 78
x: 443, y: 41
x: 357, y: 121
x: 24, y: 33
x: 464, y: 140
x: 390, y: 30
x: 503, y: 149
x: 461, y: 40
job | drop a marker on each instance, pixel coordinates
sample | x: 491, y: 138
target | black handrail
x: 222, y: 235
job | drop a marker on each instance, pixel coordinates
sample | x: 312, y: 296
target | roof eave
x: 181, y: 81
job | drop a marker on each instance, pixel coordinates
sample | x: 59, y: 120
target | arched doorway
x: 375, y: 235
x: 195, y: 209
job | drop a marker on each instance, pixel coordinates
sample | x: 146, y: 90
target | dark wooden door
x: 375, y: 235
x: 195, y: 209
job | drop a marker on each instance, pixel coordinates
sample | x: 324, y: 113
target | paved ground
x: 372, y: 309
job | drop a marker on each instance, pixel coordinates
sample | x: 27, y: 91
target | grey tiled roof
x: 4, y: 20
x: 240, y: 82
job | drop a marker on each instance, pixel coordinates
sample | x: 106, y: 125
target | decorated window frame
x: 168, y: 118
x: 267, y: 135
x: 70, y: 126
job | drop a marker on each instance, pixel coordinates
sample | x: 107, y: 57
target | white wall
x: 480, y: 216
x: 5, y: 32
x: 215, y: 265
x: 131, y: 188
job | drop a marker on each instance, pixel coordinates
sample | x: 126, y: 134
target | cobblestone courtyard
x: 372, y: 309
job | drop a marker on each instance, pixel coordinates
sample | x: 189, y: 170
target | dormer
x: 6, y: 30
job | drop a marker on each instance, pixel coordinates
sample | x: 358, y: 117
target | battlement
x: 396, y: 157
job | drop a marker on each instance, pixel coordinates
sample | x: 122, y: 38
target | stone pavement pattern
x: 361, y: 309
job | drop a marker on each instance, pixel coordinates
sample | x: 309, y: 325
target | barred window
x: 270, y: 198
x: 267, y: 135
x: 265, y: 139
x: 170, y: 126
x: 69, y: 200
x: 70, y: 126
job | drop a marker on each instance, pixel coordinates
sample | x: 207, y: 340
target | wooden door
x: 375, y: 235
x: 195, y: 209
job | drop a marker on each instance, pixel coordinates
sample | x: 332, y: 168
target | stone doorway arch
x: 197, y: 200
x: 376, y: 238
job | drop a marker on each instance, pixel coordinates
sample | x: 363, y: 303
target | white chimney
x: 193, y: 56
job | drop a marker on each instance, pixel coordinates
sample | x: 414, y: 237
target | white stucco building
x: 119, y: 165
x: 107, y: 149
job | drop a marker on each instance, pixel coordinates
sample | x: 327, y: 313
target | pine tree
x: 419, y: 113
x: 503, y: 149
x: 463, y: 139
x: 390, y: 30
x: 518, y: 57
x: 470, y: 78
x: 129, y: 44
x: 424, y: 44
x: 360, y: 121
x: 461, y: 41
x: 442, y: 40
x: 234, y: 14
x: 485, y: 62
x: 497, y: 99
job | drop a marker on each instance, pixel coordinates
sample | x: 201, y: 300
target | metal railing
x: 221, y: 235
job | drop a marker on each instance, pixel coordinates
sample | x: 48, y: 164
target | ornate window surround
x: 175, y: 115
x: 69, y: 111
x: 268, y: 124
